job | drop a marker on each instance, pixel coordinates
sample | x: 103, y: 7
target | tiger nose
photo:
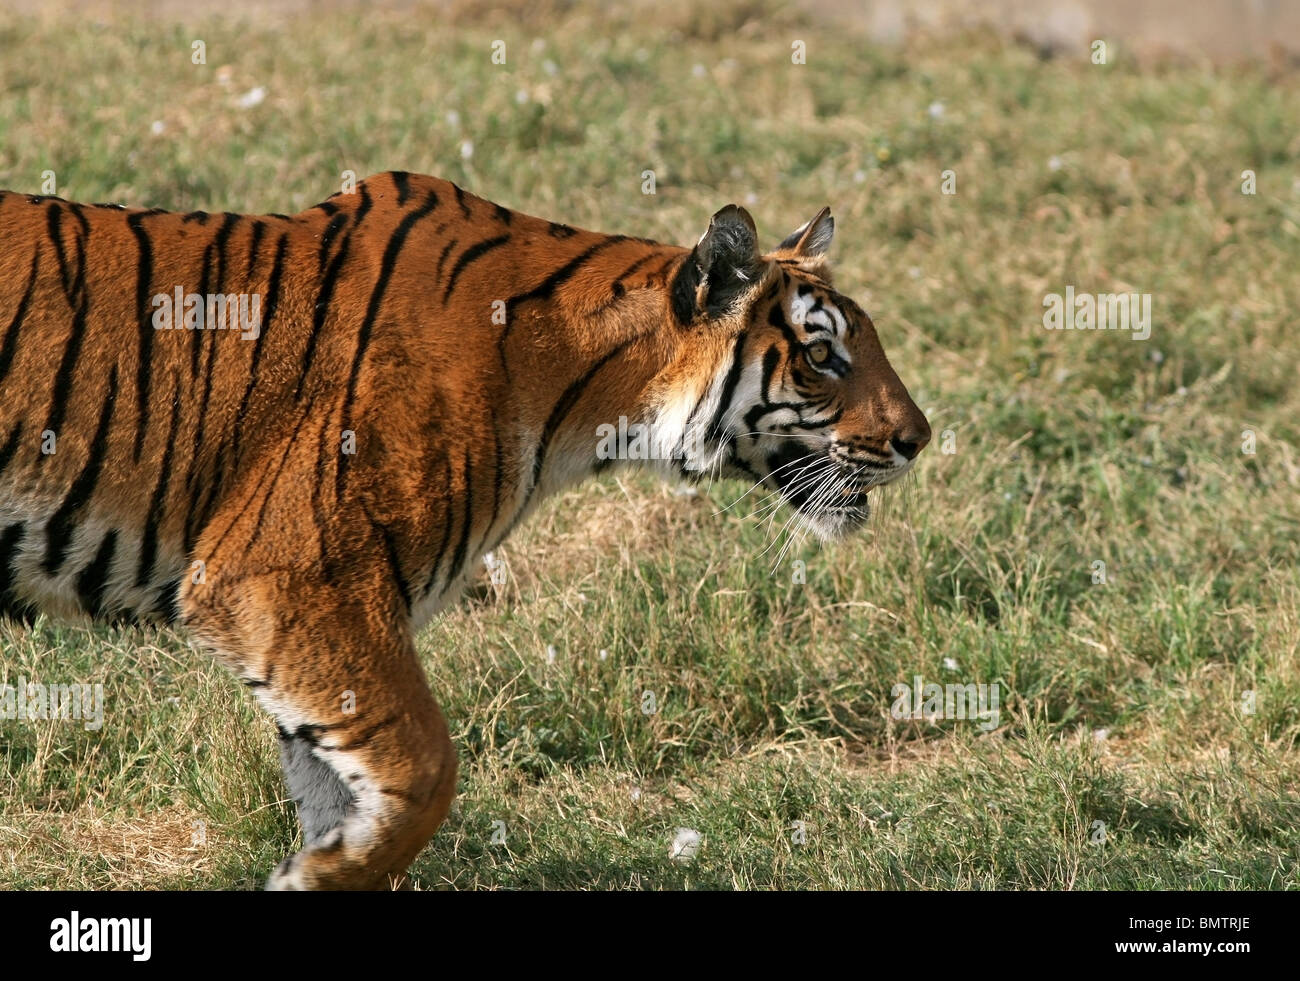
x: 911, y: 439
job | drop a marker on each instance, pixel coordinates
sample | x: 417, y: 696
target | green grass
x: 1121, y: 703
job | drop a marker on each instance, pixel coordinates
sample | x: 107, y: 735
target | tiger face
x: 806, y: 403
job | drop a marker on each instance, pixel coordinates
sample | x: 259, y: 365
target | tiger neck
x: 641, y: 397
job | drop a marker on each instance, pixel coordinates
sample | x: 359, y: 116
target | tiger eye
x: 819, y: 352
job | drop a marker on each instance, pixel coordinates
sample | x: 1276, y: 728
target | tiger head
x: 783, y: 381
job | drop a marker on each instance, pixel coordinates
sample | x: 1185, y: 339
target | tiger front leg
x: 364, y: 747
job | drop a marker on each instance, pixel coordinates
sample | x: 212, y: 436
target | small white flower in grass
x: 949, y: 664
x: 157, y: 127
x: 521, y: 96
x: 914, y: 272
x: 685, y: 846
x: 936, y: 110
x: 1054, y: 164
x: 550, y: 67
x: 453, y: 118
x: 550, y: 653
x: 466, y: 149
x: 174, y: 701
x: 1100, y: 735
x: 751, y: 198
x: 635, y: 794
x: 253, y: 97
x: 859, y: 176
x: 698, y: 70
x: 604, y: 654
x: 685, y: 490
x: 539, y: 45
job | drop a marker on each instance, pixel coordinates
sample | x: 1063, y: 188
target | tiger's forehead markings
x: 815, y: 309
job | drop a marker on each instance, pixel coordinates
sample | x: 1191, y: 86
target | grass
x: 1122, y: 703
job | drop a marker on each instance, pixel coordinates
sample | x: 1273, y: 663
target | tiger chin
x: 410, y: 370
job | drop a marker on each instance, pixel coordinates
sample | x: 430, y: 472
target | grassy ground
x: 1122, y: 703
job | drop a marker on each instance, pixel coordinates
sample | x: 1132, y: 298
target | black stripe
x: 365, y: 736
x: 215, y: 249
x: 441, y: 550
x: 144, y: 367
x: 321, y: 311
x: 9, y: 347
x: 329, y: 207
x: 503, y: 215
x: 361, y: 212
x: 555, y: 280
x: 228, y: 223
x: 403, y: 181
x: 270, y: 488
x: 497, y: 476
x: 272, y: 301
x: 442, y: 258
x: 565, y: 405
x: 200, y: 216
x: 391, y: 252
x: 201, y: 419
x: 394, y: 561
x: 54, y: 228
x: 149, y: 545
x: 327, y: 240
x: 58, y: 532
x: 776, y: 317
x: 68, y: 364
x: 553, y: 422
x: 254, y: 246
x: 10, y: 539
x: 634, y: 267
x: 317, y: 508
x: 556, y: 230
x: 458, y: 557
x: 550, y: 284
x: 714, y: 432
x: 196, y: 336
x: 201, y: 508
x: 771, y: 359
x: 474, y: 252
x: 93, y: 579
x: 460, y: 200
x: 168, y: 602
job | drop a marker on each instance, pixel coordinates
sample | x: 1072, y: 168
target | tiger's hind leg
x: 366, y: 752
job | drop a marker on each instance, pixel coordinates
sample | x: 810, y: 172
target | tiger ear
x: 813, y: 239
x: 724, y: 264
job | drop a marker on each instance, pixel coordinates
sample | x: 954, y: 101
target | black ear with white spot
x: 724, y: 264
x: 813, y: 239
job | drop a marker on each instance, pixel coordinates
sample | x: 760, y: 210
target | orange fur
x: 467, y: 357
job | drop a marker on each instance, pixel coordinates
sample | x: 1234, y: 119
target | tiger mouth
x: 821, y: 486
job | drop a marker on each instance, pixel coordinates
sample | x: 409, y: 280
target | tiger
x: 292, y: 437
